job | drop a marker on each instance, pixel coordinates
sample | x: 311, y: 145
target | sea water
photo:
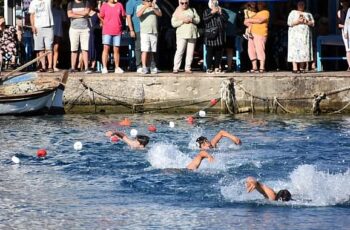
x: 107, y: 185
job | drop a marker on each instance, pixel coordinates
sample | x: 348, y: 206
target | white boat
x: 33, y: 93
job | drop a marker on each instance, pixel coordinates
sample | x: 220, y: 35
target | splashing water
x: 308, y: 186
x: 164, y: 155
x: 320, y: 188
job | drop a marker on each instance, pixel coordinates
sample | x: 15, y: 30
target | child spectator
x: 79, y: 32
x: 111, y: 14
x: 148, y: 12
x: 249, y: 12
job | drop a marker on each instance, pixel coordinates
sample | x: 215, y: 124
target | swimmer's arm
x: 196, y: 162
x: 222, y: 134
x: 263, y: 189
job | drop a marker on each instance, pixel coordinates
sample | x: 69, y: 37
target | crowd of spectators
x: 97, y: 29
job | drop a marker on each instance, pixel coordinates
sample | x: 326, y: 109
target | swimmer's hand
x: 109, y: 133
x: 251, y: 184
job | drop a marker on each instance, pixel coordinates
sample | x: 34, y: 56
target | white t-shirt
x: 42, y: 13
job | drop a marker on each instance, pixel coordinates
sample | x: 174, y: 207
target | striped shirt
x: 215, y: 20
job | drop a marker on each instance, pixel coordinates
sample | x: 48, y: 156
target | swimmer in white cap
x: 139, y: 143
x: 204, y: 144
x: 267, y: 192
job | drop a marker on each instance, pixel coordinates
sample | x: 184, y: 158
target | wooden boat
x: 33, y: 93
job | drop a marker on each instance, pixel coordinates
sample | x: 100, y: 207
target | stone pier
x: 281, y: 92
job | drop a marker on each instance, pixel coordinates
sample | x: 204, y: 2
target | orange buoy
x: 125, y: 122
x: 41, y: 153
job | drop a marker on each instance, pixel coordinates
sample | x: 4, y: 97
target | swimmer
x: 267, y: 192
x: 140, y: 142
x: 205, y: 144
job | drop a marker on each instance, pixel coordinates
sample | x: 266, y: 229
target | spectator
x: 300, y: 38
x: 148, y: 12
x: 249, y: 12
x: 215, y: 38
x: 343, y: 16
x: 42, y: 22
x: 185, y: 19
x: 256, y: 43
x: 8, y: 41
x: 95, y: 41
x: 59, y: 16
x: 111, y: 14
x: 134, y: 28
x: 231, y: 32
x: 79, y: 32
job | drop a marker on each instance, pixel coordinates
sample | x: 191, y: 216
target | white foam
x: 308, y: 186
x: 163, y: 155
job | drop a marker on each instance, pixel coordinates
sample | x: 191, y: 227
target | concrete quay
x: 280, y: 92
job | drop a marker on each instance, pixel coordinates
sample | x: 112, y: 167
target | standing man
x: 79, y: 31
x: 148, y: 12
x: 134, y: 28
x: 41, y: 21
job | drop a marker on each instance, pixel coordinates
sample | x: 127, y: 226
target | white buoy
x: 78, y: 145
x: 171, y: 124
x: 202, y: 113
x: 15, y: 160
x: 133, y: 132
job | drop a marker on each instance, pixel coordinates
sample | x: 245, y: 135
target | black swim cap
x: 284, y: 195
x: 142, y: 139
x: 200, y: 140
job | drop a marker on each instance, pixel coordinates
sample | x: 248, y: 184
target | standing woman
x: 343, y: 16
x: 185, y: 19
x: 259, y: 31
x: 300, y: 38
x: 215, y: 37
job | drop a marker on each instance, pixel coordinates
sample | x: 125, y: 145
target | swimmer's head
x: 284, y: 195
x: 142, y: 139
x: 204, y: 143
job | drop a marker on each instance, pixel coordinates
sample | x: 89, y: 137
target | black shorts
x: 230, y: 42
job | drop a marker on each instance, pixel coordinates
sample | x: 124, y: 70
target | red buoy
x: 213, y: 102
x: 41, y: 153
x: 190, y: 120
x: 114, y: 139
x: 152, y: 128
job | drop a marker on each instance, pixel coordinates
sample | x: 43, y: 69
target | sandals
x: 296, y: 71
x: 50, y: 70
x: 41, y: 70
x: 253, y: 71
x: 262, y: 71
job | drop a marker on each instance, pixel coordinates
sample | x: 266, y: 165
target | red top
x: 112, y: 18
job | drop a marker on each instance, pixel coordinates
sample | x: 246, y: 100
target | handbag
x: 211, y: 33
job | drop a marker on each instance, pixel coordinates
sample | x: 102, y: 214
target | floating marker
x: 152, y: 128
x: 202, y: 113
x: 114, y: 139
x: 190, y: 120
x: 171, y: 124
x: 41, y: 153
x: 125, y: 122
x: 78, y: 145
x: 213, y: 102
x: 133, y: 132
x: 15, y: 160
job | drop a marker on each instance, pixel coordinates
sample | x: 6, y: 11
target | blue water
x: 110, y: 186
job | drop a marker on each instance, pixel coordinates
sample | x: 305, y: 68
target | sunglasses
x: 148, y: 0
x: 184, y: 3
